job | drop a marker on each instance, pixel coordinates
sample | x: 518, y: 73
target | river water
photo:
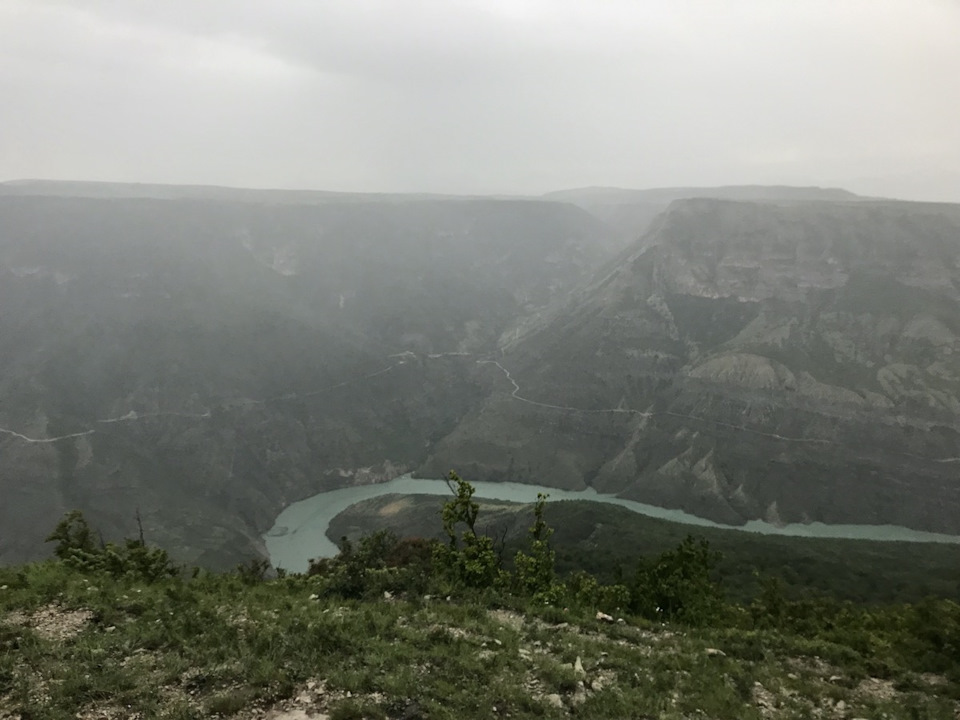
x: 300, y: 531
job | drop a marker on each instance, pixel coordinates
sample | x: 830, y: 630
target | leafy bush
x: 769, y: 608
x: 678, y: 585
x: 468, y: 558
x: 254, y: 571
x: 377, y: 563
x: 535, y: 573
x: 134, y: 559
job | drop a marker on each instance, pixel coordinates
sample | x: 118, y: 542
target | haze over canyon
x: 209, y: 355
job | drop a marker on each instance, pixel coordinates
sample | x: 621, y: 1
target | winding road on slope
x: 515, y: 394
x: 134, y: 416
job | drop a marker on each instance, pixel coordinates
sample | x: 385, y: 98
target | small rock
x: 835, y: 678
x: 714, y: 652
x: 621, y: 621
x: 387, y: 595
x: 295, y: 714
x: 555, y: 700
x: 3, y: 587
x: 412, y: 711
x: 497, y: 642
x: 578, y: 667
x: 111, y: 628
x: 792, y: 676
x: 314, y: 596
x: 603, y: 617
x: 841, y: 706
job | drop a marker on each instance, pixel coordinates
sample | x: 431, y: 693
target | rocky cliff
x: 791, y: 362
x: 208, y: 359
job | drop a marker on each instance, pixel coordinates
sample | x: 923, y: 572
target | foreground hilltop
x: 790, y: 362
x: 221, y: 648
x: 422, y: 631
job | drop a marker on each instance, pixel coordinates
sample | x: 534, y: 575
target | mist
x: 484, y: 97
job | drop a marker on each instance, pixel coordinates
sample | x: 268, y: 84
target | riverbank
x: 300, y: 531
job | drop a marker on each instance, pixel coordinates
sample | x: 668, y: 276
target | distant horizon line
x: 548, y: 195
x: 579, y: 188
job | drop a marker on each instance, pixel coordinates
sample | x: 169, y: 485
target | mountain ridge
x: 712, y: 319
x: 210, y: 361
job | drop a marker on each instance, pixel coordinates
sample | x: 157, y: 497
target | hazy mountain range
x: 209, y: 355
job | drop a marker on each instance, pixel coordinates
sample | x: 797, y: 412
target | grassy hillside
x: 80, y: 645
x: 428, y: 629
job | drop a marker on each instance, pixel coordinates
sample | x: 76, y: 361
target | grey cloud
x: 497, y: 96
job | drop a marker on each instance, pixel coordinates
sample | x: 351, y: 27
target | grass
x: 81, y: 645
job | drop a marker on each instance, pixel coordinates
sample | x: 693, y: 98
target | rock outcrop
x: 747, y: 360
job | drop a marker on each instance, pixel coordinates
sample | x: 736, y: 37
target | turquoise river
x: 300, y: 531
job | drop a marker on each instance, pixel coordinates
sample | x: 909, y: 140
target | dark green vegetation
x: 413, y: 629
x: 606, y: 540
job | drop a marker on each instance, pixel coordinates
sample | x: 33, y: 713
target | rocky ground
x: 80, y: 647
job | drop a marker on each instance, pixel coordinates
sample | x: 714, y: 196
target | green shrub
x: 376, y: 563
x: 132, y: 559
x: 678, y: 585
x: 535, y: 573
x: 468, y: 558
x: 584, y: 590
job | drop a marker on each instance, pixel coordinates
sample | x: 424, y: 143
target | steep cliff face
x: 748, y: 360
x: 209, y: 360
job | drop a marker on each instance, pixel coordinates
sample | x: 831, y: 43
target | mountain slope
x: 209, y: 361
x: 747, y: 360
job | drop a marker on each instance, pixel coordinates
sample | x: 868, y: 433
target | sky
x: 484, y: 96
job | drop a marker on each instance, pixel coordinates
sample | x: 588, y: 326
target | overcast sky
x: 484, y: 96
